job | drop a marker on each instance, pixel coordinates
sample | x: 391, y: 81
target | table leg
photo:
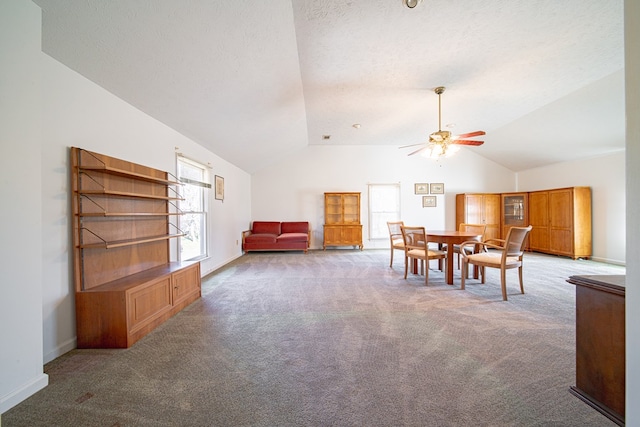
x: 449, y: 264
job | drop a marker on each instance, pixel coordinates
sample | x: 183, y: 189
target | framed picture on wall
x: 219, y: 188
x: 421, y: 188
x: 428, y: 201
x: 437, y: 188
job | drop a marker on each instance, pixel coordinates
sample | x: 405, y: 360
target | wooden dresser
x: 342, y: 225
x: 600, y: 344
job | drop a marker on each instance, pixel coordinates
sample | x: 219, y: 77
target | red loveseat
x: 277, y: 236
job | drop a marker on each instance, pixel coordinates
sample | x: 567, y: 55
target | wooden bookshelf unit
x: 125, y: 282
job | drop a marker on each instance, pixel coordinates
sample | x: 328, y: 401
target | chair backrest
x: 474, y: 228
x: 394, y: 230
x: 414, y: 238
x: 514, y: 243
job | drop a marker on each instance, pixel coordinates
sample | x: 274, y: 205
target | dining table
x: 450, y: 238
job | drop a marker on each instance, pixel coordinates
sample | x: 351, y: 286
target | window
x: 384, y: 205
x: 193, y: 222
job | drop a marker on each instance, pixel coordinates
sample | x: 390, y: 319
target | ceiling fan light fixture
x: 434, y: 151
x: 451, y: 150
x: 442, y: 143
x: 437, y: 150
x: 411, y: 3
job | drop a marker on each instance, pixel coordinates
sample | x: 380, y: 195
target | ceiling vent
x: 411, y: 3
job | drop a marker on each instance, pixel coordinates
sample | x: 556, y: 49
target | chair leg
x: 406, y: 266
x: 426, y: 273
x: 520, y: 276
x: 482, y: 274
x: 464, y: 266
x: 503, y: 283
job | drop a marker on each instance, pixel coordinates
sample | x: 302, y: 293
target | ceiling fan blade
x: 412, y: 145
x: 418, y: 150
x: 466, y: 142
x: 471, y: 134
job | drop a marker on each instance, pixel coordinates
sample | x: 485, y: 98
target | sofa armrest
x: 245, y: 233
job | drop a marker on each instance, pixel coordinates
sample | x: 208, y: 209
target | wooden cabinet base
x: 342, y: 235
x: 597, y: 405
x: 119, y: 313
x: 600, y: 344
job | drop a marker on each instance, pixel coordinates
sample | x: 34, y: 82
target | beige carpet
x: 337, y: 338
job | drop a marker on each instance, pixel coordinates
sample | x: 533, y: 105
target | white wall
x: 21, y: 372
x: 606, y: 177
x: 46, y: 109
x: 632, y: 77
x: 79, y: 113
x: 350, y: 168
x: 294, y: 189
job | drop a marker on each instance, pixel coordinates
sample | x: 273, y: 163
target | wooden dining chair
x: 396, y: 241
x: 474, y: 228
x: 416, y: 248
x: 497, y: 253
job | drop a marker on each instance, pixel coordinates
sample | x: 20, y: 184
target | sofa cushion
x: 261, y: 238
x: 295, y: 227
x: 266, y: 227
x: 293, y: 237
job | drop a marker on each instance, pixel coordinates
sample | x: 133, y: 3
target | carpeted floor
x: 337, y: 338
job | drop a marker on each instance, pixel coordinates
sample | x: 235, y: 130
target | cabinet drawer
x: 561, y: 241
x: 352, y: 235
x: 332, y: 235
x: 185, y: 283
x: 147, y: 302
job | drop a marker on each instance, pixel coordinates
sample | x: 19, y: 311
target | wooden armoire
x: 479, y: 208
x: 561, y: 220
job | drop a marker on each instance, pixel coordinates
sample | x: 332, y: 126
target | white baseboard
x: 211, y: 269
x: 10, y: 400
x: 609, y: 261
x: 60, y: 350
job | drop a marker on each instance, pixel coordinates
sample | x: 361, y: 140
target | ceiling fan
x: 440, y: 142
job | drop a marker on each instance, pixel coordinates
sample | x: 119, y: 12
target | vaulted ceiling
x: 255, y: 79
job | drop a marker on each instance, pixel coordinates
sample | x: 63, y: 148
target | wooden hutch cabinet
x: 342, y: 225
x: 561, y: 220
x: 125, y: 284
x: 515, y: 211
x: 479, y: 208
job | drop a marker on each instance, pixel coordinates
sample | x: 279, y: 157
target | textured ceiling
x: 254, y: 80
